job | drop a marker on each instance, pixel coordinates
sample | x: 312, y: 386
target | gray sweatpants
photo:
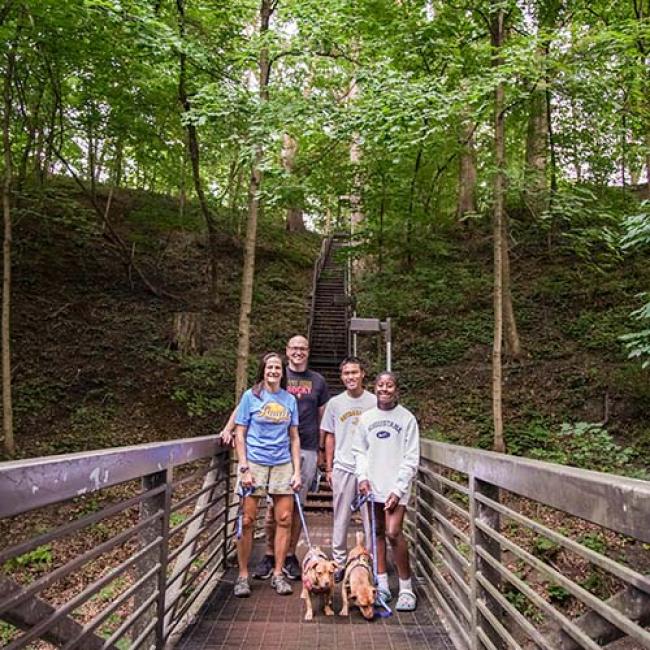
x: 308, y: 467
x: 344, y: 489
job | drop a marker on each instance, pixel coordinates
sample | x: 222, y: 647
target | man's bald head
x: 298, y: 353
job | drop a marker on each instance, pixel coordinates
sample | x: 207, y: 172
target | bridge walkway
x: 266, y: 620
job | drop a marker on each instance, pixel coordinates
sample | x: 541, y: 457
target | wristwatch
x: 321, y: 448
x: 243, y: 469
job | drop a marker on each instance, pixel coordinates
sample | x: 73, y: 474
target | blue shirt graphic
x: 268, y: 418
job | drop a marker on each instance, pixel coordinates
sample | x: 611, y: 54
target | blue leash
x: 243, y: 493
x: 359, y: 500
x: 302, y: 519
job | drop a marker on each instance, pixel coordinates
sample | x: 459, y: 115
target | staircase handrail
x: 325, y: 248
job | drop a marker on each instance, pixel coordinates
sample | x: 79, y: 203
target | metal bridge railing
x: 516, y: 553
x: 119, y: 548
x: 136, y: 541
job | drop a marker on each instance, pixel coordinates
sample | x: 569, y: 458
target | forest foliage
x: 382, y: 108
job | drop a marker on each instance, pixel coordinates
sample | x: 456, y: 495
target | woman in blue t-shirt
x: 268, y: 449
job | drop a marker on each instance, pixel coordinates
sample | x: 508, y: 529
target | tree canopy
x: 382, y: 108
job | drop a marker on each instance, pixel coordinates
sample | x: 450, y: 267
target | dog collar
x: 311, y: 559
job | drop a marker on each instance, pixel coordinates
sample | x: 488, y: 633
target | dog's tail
x: 361, y: 538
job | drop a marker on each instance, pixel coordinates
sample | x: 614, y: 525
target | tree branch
x: 112, y: 235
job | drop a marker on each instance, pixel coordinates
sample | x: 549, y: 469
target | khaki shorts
x: 271, y: 479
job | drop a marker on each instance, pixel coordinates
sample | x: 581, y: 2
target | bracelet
x: 243, y: 469
x: 321, y: 448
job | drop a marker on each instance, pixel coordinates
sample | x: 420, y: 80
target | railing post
x: 444, y: 534
x: 164, y: 553
x: 421, y: 552
x: 479, y: 540
x: 159, y: 528
x: 226, y: 460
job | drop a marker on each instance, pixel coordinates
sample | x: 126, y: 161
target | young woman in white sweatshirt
x: 387, y: 454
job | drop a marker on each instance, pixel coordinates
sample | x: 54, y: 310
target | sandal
x: 406, y: 601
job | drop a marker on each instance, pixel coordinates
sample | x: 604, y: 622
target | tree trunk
x: 186, y: 335
x: 380, y: 238
x: 233, y: 200
x: 119, y: 157
x: 7, y: 404
x: 512, y: 342
x: 31, y: 120
x: 356, y: 211
x: 193, y: 146
x: 498, y: 233
x: 294, y: 221
x: 535, y: 184
x: 182, y: 195
x: 248, y: 273
x: 647, y: 164
x: 33, y: 610
x: 467, y: 173
x: 92, y: 171
x: 540, y: 133
x: 409, y: 217
x: 46, y: 146
x: 551, y: 146
x: 632, y: 602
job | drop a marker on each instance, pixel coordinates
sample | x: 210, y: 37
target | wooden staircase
x: 328, y: 331
x: 328, y: 334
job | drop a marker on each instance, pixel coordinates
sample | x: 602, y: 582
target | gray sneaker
x: 291, y: 568
x: 242, y: 588
x: 264, y: 569
x: 281, y: 586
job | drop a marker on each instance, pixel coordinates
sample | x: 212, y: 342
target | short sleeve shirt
x: 310, y: 390
x: 341, y: 418
x: 268, y: 418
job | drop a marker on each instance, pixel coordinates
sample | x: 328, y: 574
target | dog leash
x: 302, y: 519
x: 243, y: 493
x: 357, y: 503
x: 373, y: 545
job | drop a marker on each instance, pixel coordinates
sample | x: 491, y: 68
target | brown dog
x: 358, y: 581
x: 317, y: 578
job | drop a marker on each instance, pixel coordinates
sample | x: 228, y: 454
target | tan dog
x: 358, y: 581
x: 317, y: 578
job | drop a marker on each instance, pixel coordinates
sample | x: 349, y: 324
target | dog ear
x: 334, y: 565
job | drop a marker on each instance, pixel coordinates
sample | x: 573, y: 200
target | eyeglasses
x: 299, y: 348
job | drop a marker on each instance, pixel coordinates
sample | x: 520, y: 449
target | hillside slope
x: 92, y: 365
x: 574, y: 372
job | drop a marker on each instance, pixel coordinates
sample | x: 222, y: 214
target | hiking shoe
x: 264, y: 570
x: 291, y: 568
x: 339, y: 574
x: 242, y: 589
x: 281, y: 586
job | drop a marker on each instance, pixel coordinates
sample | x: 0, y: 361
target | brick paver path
x: 268, y: 621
